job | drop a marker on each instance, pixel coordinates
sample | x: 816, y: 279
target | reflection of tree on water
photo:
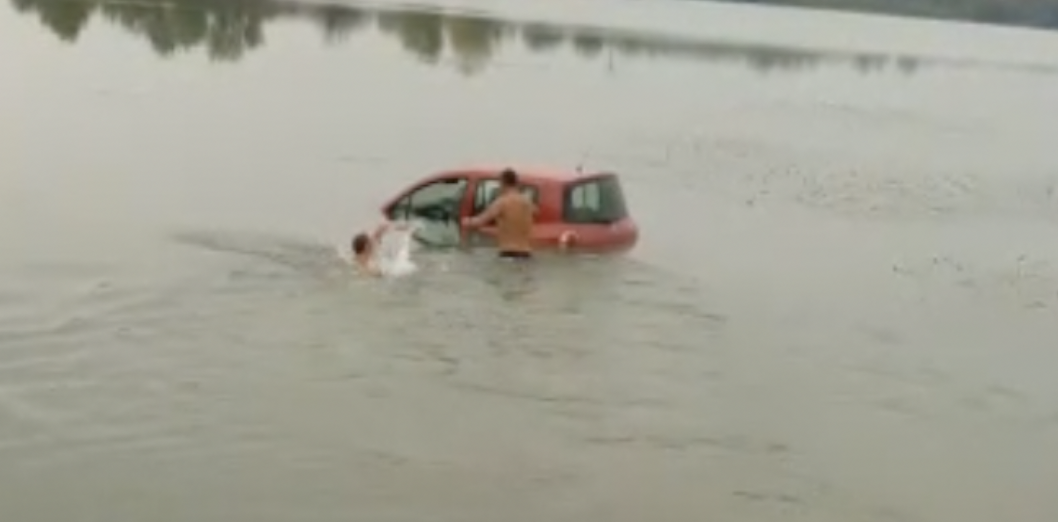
x: 66, y: 19
x: 589, y: 45
x: 421, y: 33
x: 339, y: 23
x: 427, y: 34
x: 227, y: 29
x: 542, y: 37
x: 473, y: 40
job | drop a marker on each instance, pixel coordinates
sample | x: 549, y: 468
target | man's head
x: 509, y: 179
x: 361, y: 244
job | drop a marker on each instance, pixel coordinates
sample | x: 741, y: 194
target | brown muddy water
x: 844, y: 306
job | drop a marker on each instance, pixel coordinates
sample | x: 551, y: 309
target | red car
x: 591, y: 206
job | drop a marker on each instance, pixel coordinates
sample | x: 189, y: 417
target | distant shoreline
x: 1037, y: 14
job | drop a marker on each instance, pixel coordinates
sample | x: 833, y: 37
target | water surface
x: 843, y: 307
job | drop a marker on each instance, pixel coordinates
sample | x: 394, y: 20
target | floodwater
x: 844, y: 306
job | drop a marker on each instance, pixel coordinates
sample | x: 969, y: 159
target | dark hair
x: 509, y: 178
x: 360, y: 243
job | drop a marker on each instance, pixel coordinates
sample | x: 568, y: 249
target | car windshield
x: 595, y: 200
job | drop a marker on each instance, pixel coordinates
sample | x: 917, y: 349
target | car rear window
x: 597, y: 200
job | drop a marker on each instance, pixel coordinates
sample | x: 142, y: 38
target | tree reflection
x: 421, y: 33
x: 473, y: 40
x: 68, y: 21
x: 588, y: 45
x: 542, y: 37
x: 65, y: 19
x: 338, y: 23
x: 228, y: 29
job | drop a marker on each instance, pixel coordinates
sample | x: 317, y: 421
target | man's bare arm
x: 380, y: 231
x: 490, y: 213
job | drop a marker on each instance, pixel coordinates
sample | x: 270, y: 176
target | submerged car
x: 588, y: 207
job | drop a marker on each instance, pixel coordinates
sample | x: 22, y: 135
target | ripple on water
x: 104, y: 361
x: 264, y: 353
x: 1018, y: 282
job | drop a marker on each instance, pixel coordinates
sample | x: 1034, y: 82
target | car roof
x: 539, y: 175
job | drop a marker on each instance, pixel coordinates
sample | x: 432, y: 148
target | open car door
x: 438, y: 205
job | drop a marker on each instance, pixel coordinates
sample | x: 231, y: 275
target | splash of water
x: 394, y: 252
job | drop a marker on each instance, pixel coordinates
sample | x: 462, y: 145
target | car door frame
x: 406, y: 198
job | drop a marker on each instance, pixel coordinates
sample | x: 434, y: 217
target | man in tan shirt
x: 513, y: 213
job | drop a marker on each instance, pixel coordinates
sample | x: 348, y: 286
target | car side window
x: 583, y: 203
x: 437, y: 201
x: 585, y: 198
x: 489, y: 189
x: 598, y: 200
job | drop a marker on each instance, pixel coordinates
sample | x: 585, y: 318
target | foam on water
x: 394, y: 252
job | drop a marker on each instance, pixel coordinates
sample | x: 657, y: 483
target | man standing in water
x: 513, y: 213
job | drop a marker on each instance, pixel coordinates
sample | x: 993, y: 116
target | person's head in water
x: 509, y: 179
x: 361, y: 244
